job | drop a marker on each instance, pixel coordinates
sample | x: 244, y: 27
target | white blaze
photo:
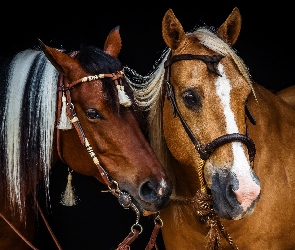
x: 240, y: 166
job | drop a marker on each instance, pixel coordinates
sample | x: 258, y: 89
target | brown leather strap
x: 249, y: 115
x: 210, y: 61
x: 152, y: 242
x: 204, y: 150
x: 27, y: 241
x: 71, y: 113
x: 125, y: 244
x: 59, y: 105
x: 64, y: 87
x: 18, y: 233
x: 48, y: 227
x: 114, y: 76
x: 76, y: 123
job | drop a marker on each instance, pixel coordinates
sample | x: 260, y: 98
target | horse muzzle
x: 234, y: 197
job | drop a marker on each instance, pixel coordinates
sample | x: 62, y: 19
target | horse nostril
x: 148, y: 192
x: 230, y: 191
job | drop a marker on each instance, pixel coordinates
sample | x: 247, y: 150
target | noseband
x: 204, y: 150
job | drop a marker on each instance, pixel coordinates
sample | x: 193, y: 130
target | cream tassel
x: 68, y: 198
x: 123, y: 98
x: 64, y: 121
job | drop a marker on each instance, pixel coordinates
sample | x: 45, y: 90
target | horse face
x: 114, y: 134
x: 212, y: 105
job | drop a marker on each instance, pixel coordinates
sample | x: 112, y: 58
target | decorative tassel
x: 123, y: 98
x: 64, y: 121
x: 68, y: 198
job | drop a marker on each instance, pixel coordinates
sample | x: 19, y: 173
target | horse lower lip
x: 147, y: 210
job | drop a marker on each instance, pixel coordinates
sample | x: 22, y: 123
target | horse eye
x: 191, y: 99
x: 93, y: 114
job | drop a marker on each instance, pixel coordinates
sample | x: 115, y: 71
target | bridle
x: 204, y: 150
x: 65, y: 87
x: 124, y: 198
x: 202, y: 202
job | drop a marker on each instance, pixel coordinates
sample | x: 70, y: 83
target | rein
x: 203, y: 200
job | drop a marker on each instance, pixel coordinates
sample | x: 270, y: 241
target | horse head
x: 208, y: 87
x: 106, y: 140
x: 75, y: 107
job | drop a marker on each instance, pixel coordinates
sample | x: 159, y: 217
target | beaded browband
x: 116, y: 77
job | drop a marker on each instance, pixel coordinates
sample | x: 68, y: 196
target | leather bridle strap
x: 210, y: 61
x: 65, y: 87
x: 124, y: 198
x: 71, y: 113
x: 117, y: 76
x: 18, y: 233
x: 204, y: 150
x: 48, y: 227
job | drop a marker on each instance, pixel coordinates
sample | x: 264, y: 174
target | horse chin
x: 141, y: 207
x: 146, y: 209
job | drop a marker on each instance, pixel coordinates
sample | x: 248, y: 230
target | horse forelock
x: 95, y: 61
x: 28, y: 114
x: 210, y: 40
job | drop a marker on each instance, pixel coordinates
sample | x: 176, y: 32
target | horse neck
x: 270, y: 113
x: 273, y: 117
x: 26, y: 228
x: 182, y: 215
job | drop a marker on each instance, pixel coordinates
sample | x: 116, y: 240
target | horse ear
x: 172, y: 30
x: 113, y: 43
x: 61, y: 61
x: 229, y: 31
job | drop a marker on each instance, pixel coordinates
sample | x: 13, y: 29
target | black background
x: 265, y: 44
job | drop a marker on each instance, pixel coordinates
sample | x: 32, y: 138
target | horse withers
x: 75, y: 107
x: 228, y: 143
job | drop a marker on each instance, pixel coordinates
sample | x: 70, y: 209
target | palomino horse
x: 220, y: 127
x: 77, y: 108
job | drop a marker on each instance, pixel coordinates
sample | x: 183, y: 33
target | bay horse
x: 78, y: 108
x: 226, y: 141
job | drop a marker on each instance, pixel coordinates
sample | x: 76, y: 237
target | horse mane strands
x: 213, y: 42
x: 148, y: 92
x: 30, y: 105
x: 147, y: 88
